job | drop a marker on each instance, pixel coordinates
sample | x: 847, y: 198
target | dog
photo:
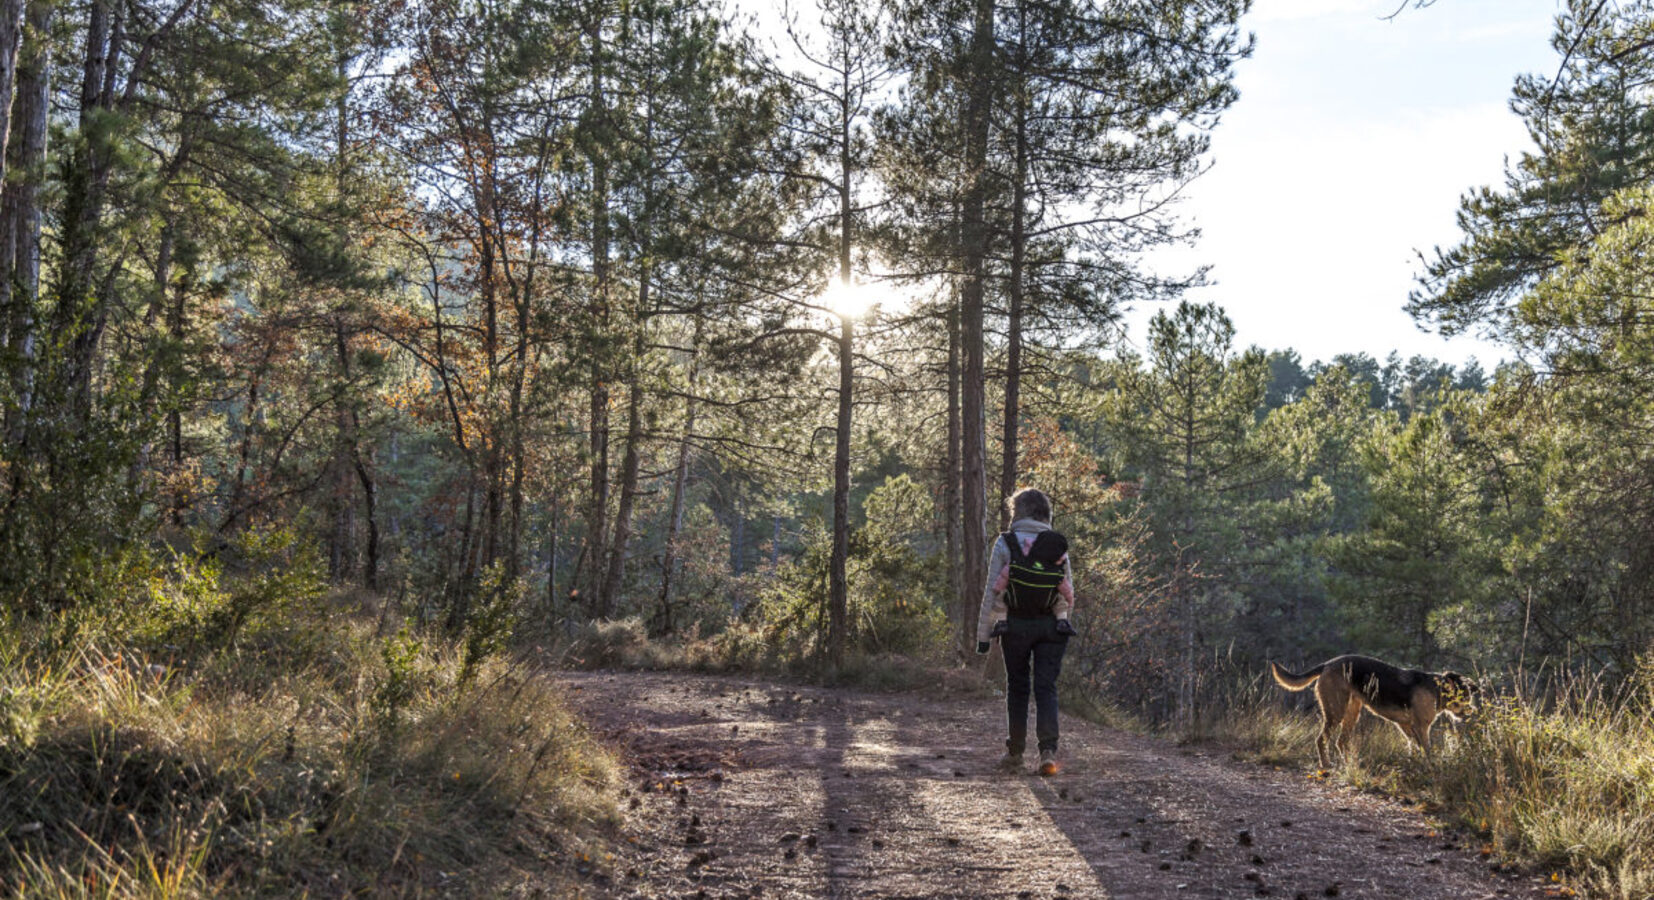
x: 1409, y: 698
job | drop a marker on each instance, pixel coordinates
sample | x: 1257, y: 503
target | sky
x: 1344, y: 157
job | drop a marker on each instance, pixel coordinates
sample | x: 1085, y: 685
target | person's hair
x: 1030, y: 503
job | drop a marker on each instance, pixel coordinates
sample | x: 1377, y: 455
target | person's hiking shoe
x: 1048, y: 762
x: 1066, y: 628
x: 1000, y: 629
x: 1010, y: 762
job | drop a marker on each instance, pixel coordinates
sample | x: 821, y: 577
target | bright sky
x: 1348, y: 150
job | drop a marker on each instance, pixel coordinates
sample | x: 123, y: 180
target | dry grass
x: 748, y: 649
x: 626, y: 644
x: 314, y: 760
x: 1561, y: 783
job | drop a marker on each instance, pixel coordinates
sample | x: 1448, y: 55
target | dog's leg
x: 1422, y: 731
x: 1328, y: 722
x: 1323, y: 741
x: 1346, y: 730
x: 1333, y: 694
x: 1407, y: 730
x: 1424, y: 716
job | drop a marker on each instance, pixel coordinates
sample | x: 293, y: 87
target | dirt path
x: 746, y: 788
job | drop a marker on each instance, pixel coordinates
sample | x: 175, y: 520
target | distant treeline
x: 1403, y: 386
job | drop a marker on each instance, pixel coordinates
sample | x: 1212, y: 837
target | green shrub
x: 897, y: 600
x: 492, y: 619
x: 207, y: 602
x: 402, y: 679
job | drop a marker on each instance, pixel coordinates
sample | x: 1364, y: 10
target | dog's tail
x: 1294, y: 682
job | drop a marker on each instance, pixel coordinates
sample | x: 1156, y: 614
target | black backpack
x: 1035, y: 574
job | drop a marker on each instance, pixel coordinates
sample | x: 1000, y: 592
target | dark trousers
x: 1033, y: 645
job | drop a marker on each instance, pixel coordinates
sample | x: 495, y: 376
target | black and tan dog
x: 1410, y: 698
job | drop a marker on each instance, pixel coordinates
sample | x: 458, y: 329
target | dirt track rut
x: 746, y: 788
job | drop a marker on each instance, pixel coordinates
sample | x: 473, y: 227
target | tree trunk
x: 589, y: 570
x: 11, y: 41
x: 342, y: 555
x: 964, y: 605
x: 244, y: 454
x: 614, y: 578
x: 514, y: 492
x: 149, y: 384
x: 975, y: 239
x: 359, y: 460
x: 525, y: 362
x: 80, y: 314
x: 680, y: 485
x: 551, y: 553
x: 459, y: 601
x: 1187, y: 562
x: 175, y: 332
x: 353, y: 461
x: 1008, y: 473
x: 20, y: 209
x: 775, y: 544
x: 628, y: 495
x: 838, y: 588
x: 737, y: 541
x: 590, y: 564
x: 493, y: 504
x: 370, y: 493
x: 488, y: 264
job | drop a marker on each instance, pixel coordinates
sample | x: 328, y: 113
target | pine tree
x: 1593, y: 128
x: 1186, y: 419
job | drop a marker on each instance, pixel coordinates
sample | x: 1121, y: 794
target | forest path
x: 748, y: 788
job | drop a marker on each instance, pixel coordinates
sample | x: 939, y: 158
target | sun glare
x: 851, y: 299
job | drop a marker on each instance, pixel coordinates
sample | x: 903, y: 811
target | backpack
x: 1035, y: 574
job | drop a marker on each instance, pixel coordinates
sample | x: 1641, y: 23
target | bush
x: 202, y: 602
x: 616, y: 643
x: 492, y: 620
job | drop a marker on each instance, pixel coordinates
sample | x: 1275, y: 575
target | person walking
x: 1029, y: 566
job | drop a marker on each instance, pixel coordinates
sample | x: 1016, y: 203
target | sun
x: 851, y: 299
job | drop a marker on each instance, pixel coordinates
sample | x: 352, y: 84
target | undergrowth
x: 1560, y: 782
x: 239, y: 735
x: 752, y: 649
